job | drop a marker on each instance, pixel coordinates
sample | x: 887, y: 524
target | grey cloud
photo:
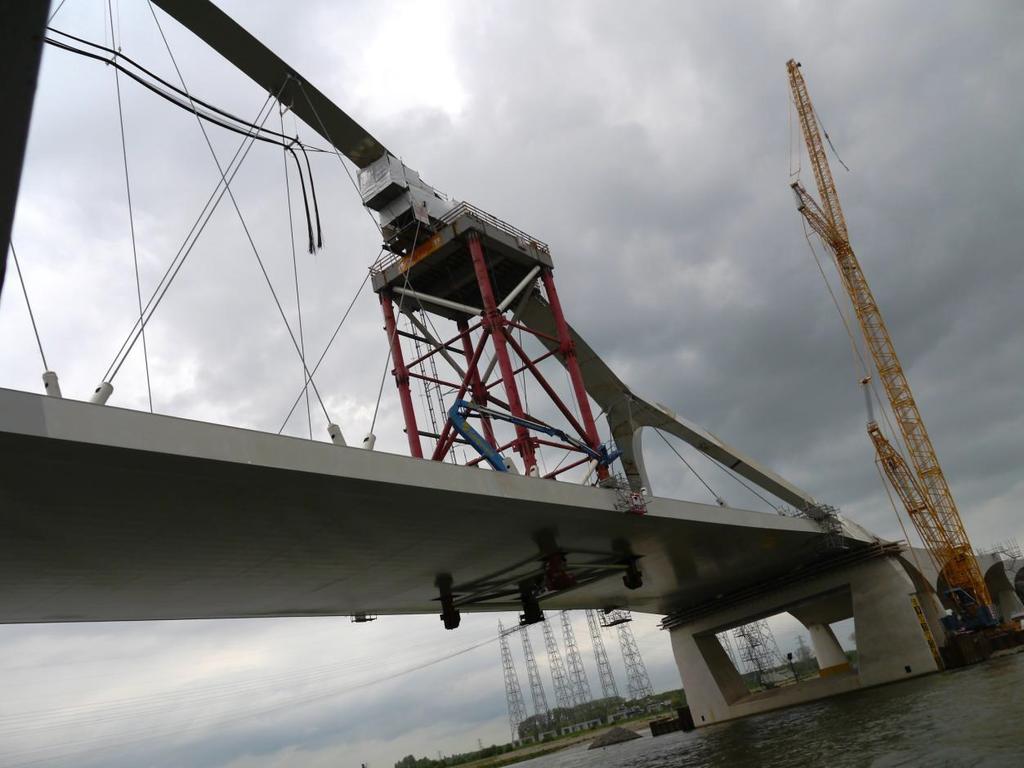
x: 648, y: 145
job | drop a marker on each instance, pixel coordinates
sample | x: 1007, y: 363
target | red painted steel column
x: 494, y: 322
x: 475, y: 384
x: 568, y: 349
x: 401, y: 374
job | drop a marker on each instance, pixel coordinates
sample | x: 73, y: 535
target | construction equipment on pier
x: 927, y: 497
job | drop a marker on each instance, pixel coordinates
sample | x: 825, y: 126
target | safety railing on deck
x: 520, y: 236
x: 387, y: 258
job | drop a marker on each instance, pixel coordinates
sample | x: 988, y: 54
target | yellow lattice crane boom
x: 928, y: 499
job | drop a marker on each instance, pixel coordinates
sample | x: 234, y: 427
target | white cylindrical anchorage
x: 335, y: 432
x: 50, y: 384
x: 102, y: 393
x: 369, y: 441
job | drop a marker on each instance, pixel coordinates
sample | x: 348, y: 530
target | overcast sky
x: 651, y: 145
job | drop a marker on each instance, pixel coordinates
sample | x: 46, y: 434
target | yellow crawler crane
x: 928, y: 499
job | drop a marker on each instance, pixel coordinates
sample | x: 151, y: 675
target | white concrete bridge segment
x: 110, y: 514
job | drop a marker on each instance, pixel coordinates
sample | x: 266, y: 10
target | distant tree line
x: 559, y: 717
x: 466, y: 757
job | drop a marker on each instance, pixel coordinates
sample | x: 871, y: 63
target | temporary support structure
x: 577, y: 672
x: 540, y: 699
x: 513, y: 693
x: 476, y: 271
x: 564, y: 698
x: 609, y: 688
x: 638, y: 682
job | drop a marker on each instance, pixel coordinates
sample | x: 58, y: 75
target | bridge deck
x: 110, y: 514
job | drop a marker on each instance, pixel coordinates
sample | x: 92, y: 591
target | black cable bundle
x: 211, y: 114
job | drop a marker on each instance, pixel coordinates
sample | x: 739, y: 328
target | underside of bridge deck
x: 109, y: 514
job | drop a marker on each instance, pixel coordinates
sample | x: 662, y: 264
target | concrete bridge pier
x: 895, y: 640
x: 827, y: 650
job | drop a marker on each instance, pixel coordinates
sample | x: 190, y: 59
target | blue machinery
x: 462, y: 410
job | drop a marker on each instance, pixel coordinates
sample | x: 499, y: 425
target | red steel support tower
x: 476, y: 272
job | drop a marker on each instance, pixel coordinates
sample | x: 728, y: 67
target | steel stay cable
x: 629, y: 409
x: 56, y: 11
x: 31, y: 314
x: 238, y: 210
x: 731, y: 473
x: 131, y: 214
x: 295, y: 272
x: 391, y: 338
x: 696, y: 474
x: 183, y: 253
x: 323, y: 354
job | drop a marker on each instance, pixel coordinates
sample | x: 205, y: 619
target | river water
x: 967, y: 717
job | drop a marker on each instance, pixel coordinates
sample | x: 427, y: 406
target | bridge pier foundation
x: 892, y: 639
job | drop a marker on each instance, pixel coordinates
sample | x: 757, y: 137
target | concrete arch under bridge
x: 1003, y: 577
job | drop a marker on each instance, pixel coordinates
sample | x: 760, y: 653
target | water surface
x: 967, y: 717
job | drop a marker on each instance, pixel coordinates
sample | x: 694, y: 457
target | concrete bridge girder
x: 892, y: 644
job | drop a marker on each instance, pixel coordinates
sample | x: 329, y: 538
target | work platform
x: 438, y: 264
x: 109, y: 514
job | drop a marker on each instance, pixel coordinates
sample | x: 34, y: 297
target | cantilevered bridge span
x: 109, y: 514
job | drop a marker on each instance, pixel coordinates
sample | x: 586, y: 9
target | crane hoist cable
x: 855, y: 350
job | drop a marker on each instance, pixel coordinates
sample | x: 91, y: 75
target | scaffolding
x: 577, y: 672
x: 540, y: 700
x: 726, y: 642
x: 513, y: 693
x: 638, y: 682
x: 609, y: 688
x: 759, y: 651
x: 564, y: 698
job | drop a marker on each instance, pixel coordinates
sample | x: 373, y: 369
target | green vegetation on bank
x: 536, y: 730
